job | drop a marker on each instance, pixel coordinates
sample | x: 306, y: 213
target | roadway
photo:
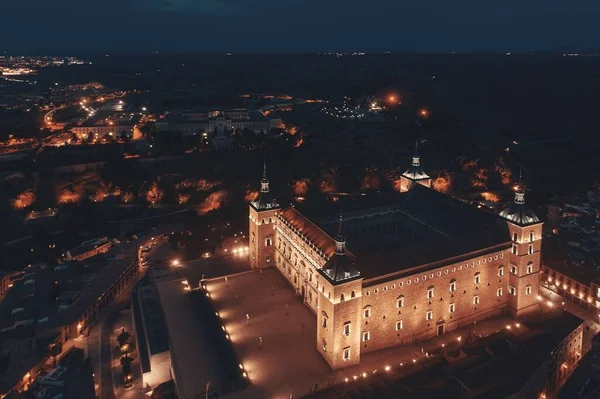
x: 99, y: 341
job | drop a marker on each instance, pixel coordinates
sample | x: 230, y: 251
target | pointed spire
x: 520, y: 191
x: 264, y: 183
x: 416, y: 158
x: 340, y: 240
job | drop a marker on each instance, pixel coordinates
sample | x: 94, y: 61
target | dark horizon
x: 66, y: 26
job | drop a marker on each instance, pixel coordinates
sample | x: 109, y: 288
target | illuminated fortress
x: 418, y: 264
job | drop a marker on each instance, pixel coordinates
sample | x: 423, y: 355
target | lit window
x: 501, y: 271
x: 499, y: 292
x: 451, y: 308
x: 367, y: 312
x: 452, y: 285
x: 429, y: 315
x: 366, y: 336
x: 346, y: 353
x: 513, y: 269
x: 528, y: 290
x: 347, y: 328
x: 477, y: 278
x: 512, y: 290
x: 430, y: 292
x: 476, y: 300
x: 268, y: 242
x: 530, y: 268
x: 400, y: 302
x: 268, y: 258
x: 399, y: 325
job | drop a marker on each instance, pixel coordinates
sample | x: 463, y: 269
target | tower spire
x: 340, y: 240
x: 264, y: 183
x: 520, y: 191
x: 416, y: 158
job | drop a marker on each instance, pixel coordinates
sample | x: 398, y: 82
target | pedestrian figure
x: 247, y: 318
x: 261, y: 341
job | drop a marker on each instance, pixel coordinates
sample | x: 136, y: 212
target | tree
x: 74, y: 138
x: 55, y: 350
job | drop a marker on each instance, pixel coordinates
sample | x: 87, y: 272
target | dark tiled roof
x: 436, y: 253
x: 520, y: 214
x: 340, y: 268
x: 312, y: 232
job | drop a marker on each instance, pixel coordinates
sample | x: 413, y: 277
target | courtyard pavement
x: 274, y: 336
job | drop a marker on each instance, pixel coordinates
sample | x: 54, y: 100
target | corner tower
x: 525, y: 255
x: 340, y: 303
x: 262, y: 219
x: 415, y: 174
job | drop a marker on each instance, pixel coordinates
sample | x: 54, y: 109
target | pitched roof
x: 310, y: 230
x: 340, y: 268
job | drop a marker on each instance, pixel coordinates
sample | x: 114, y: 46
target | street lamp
x: 175, y: 262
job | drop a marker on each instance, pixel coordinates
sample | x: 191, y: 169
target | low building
x: 575, y: 283
x: 88, y: 249
x: 151, y: 336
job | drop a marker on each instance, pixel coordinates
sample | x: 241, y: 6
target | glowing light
x: 387, y: 368
x: 175, y: 262
x: 364, y: 375
x: 424, y: 113
x: 539, y: 297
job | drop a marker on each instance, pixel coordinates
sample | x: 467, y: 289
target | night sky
x: 59, y: 26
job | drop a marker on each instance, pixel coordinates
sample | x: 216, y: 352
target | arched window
x: 342, y: 298
x: 477, y: 278
x: 352, y: 294
x: 529, y: 267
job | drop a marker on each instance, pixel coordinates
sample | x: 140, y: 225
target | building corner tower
x: 262, y: 220
x: 525, y: 256
x: 340, y: 306
x: 415, y: 174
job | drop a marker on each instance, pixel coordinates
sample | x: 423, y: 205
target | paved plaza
x: 261, y: 304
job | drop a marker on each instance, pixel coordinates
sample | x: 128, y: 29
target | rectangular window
x: 513, y: 269
x: 268, y: 242
x: 451, y: 308
x: 347, y: 328
x: 477, y: 278
x: 346, y: 353
x: 512, y: 290
x: 430, y: 293
x: 515, y: 236
x: 476, y: 300
x: 514, y: 249
x: 452, y: 286
x: 530, y: 249
x: 366, y: 336
x: 399, y: 325
x: 429, y: 315
x: 499, y: 292
x: 324, y: 324
x: 528, y: 290
x: 531, y: 236
x: 501, y: 271
x: 400, y: 302
x: 529, y: 269
x: 367, y: 312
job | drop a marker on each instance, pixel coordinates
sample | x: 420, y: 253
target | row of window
x: 400, y: 300
x: 516, y: 236
x: 439, y: 273
x: 515, y: 249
